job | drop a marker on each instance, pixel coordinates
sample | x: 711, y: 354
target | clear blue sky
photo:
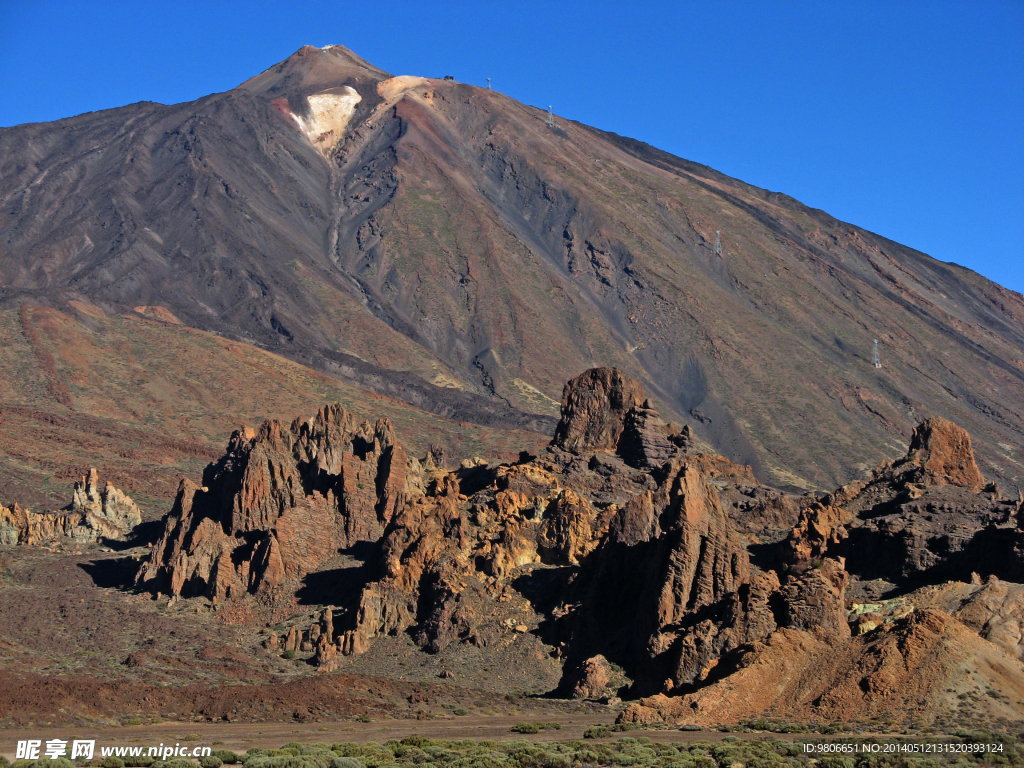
x: 906, y: 118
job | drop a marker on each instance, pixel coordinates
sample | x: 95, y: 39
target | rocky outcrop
x: 594, y: 409
x: 926, y: 516
x: 944, y: 454
x: 994, y: 609
x: 592, y: 679
x: 913, y: 670
x: 641, y: 564
x: 109, y: 505
x: 603, y: 409
x: 94, y: 514
x: 670, y: 589
x: 815, y: 601
x: 281, y: 501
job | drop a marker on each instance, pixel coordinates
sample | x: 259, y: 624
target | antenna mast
x: 875, y: 359
x: 488, y: 83
x: 718, y: 243
x: 551, y: 118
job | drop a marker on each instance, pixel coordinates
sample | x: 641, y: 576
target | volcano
x: 449, y: 248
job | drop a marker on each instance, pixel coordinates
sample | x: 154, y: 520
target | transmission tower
x: 488, y: 83
x: 551, y: 118
x: 718, y: 243
x: 875, y: 359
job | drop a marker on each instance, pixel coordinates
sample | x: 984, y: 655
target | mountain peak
x: 311, y: 69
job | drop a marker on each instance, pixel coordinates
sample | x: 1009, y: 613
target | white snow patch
x: 329, y: 113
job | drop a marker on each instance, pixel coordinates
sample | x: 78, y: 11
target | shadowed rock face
x: 280, y: 502
x: 440, y: 244
x: 923, y: 517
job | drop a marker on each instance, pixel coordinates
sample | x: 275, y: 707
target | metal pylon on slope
x: 718, y: 243
x: 875, y: 359
x: 551, y: 118
x: 488, y: 83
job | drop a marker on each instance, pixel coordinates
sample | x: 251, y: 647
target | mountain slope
x: 367, y: 225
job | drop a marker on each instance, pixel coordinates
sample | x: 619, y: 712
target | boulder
x: 943, y: 452
x: 594, y: 409
x: 592, y: 678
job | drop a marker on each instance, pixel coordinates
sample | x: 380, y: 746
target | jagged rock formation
x: 605, y: 410
x: 281, y: 501
x: 632, y: 549
x: 928, y: 515
x: 664, y: 585
x: 595, y: 406
x: 93, y: 514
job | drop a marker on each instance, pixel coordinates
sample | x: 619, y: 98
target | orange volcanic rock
x: 594, y: 409
x: 914, y: 669
x: 816, y: 600
x: 670, y: 588
x: 567, y: 534
x: 626, y: 560
x: 280, y: 502
x: 944, y: 453
x: 595, y: 675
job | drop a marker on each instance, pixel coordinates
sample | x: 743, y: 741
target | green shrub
x: 597, y: 732
x: 226, y: 756
x: 112, y: 762
x: 526, y: 728
x: 346, y: 762
x: 289, y: 655
x: 459, y: 711
x: 210, y: 761
x: 834, y: 761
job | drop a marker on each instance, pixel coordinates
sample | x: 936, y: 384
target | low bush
x: 112, y: 762
x: 526, y: 728
x: 210, y: 761
x: 226, y: 756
